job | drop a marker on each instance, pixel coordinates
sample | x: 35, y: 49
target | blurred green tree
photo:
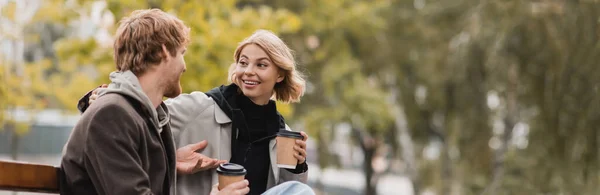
x: 507, y: 91
x: 28, y: 63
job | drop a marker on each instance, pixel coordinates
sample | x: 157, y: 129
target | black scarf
x: 253, y: 126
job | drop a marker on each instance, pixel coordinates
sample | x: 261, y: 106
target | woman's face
x: 256, y: 74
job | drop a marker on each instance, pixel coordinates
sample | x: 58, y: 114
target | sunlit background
x: 415, y: 97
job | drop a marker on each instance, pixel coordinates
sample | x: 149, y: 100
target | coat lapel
x: 220, y: 116
x: 273, y: 155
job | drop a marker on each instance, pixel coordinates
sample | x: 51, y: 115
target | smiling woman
x: 264, y: 68
x: 256, y: 74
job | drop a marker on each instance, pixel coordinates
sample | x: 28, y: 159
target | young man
x: 123, y: 144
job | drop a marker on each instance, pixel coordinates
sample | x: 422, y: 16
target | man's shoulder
x: 111, y: 105
x: 109, y: 114
x: 116, y: 100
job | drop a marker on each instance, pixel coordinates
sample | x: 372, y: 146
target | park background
x: 419, y: 97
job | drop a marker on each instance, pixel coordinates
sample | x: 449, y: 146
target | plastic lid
x: 231, y: 169
x: 290, y: 134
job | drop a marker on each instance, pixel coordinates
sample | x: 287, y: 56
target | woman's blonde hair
x: 291, y: 88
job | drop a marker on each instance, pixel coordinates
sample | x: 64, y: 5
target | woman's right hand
x: 237, y: 188
x: 94, y: 95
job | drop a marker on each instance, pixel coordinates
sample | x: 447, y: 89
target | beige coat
x: 196, y: 117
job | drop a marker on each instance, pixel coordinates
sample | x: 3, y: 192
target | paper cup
x: 286, y: 140
x: 230, y: 173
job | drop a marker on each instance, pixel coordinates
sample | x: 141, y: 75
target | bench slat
x: 20, y: 176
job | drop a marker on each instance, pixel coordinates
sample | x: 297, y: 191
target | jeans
x: 290, y: 188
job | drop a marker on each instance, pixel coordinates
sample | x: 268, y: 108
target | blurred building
x: 49, y: 131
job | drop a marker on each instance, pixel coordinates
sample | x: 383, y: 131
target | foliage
x: 506, y: 90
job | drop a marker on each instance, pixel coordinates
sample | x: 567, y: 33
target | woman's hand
x: 300, y: 148
x: 94, y: 95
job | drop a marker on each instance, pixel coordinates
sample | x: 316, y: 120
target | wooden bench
x: 28, y: 177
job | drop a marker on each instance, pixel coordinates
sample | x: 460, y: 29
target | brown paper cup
x: 285, y: 153
x: 286, y: 140
x: 230, y: 173
x: 225, y: 180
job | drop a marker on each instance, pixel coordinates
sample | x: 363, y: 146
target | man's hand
x: 237, y: 188
x: 190, y: 162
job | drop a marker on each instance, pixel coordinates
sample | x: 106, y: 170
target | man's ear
x: 166, y: 53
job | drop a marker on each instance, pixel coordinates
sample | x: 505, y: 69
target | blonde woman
x: 240, y: 120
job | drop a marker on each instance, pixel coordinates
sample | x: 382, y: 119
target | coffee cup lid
x: 231, y: 169
x: 290, y: 134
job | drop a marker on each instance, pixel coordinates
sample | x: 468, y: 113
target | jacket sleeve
x: 111, y: 156
x: 185, y: 108
x: 83, y: 102
x: 299, y: 174
x: 286, y: 175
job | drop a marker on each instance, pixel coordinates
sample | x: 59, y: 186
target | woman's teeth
x: 251, y: 82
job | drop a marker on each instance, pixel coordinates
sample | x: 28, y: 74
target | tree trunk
x: 510, y: 120
x: 14, y: 145
x: 14, y: 139
x: 446, y: 174
x: 404, y: 138
x: 368, y: 146
x: 323, y: 158
x: 443, y: 128
x: 370, y: 185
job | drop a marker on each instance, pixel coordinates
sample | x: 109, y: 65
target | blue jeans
x: 290, y: 188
